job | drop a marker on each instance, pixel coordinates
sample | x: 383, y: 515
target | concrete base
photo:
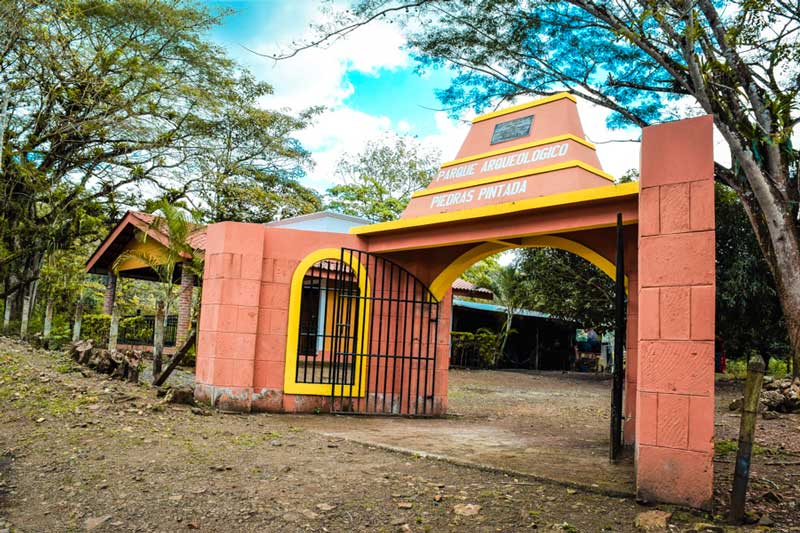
x: 247, y: 400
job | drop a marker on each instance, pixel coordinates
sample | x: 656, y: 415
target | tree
x: 509, y: 286
x: 748, y: 311
x: 737, y: 60
x: 177, y: 226
x: 105, y: 103
x: 568, y: 287
x: 378, y: 182
x: 480, y: 270
x: 248, y: 166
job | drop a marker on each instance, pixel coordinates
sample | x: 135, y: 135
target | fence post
x: 752, y: 394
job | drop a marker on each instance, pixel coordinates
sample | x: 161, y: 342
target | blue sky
x: 368, y: 84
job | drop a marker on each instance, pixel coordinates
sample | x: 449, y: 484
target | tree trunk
x: 48, y: 319
x: 7, y: 313
x: 159, y: 379
x: 158, y: 338
x: 76, y: 328
x: 26, y: 311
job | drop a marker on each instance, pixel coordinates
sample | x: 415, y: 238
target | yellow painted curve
x: 442, y: 283
x: 290, y: 386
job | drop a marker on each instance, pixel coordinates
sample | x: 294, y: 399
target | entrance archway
x: 516, y: 181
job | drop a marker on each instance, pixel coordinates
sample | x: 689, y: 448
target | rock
x: 437, y: 498
x: 308, y: 513
x: 95, y: 522
x: 404, y: 528
x: 326, y: 507
x: 765, y: 520
x: 405, y: 505
x: 772, y: 399
x: 180, y: 395
x: 652, y: 520
x: 398, y: 521
x: 466, y: 509
x: 769, y: 415
x: 771, y: 497
x: 736, y: 405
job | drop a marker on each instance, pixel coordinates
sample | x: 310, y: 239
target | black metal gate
x: 619, y: 340
x: 383, y: 339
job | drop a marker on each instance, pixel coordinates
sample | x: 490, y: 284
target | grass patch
x: 730, y: 446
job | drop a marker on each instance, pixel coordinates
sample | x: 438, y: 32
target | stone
x: 326, y: 507
x: 311, y: 515
x: 180, y: 395
x: 466, y: 509
x: 766, y: 521
x: 652, y: 520
x: 769, y: 415
x: 405, y: 505
x: 95, y: 522
x: 771, y: 497
x: 736, y: 405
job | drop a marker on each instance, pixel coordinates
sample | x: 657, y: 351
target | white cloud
x: 450, y: 134
x: 317, y: 77
x: 618, y: 150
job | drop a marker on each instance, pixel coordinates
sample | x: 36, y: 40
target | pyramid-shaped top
x: 525, y: 151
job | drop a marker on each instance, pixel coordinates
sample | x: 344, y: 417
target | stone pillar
x: 226, y: 343
x: 111, y: 294
x: 442, y: 355
x: 184, y: 307
x: 675, y: 397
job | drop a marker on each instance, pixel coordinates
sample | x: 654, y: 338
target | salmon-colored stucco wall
x: 675, y: 401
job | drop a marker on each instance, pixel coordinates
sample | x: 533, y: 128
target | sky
x: 369, y: 86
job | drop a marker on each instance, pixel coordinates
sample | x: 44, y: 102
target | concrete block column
x: 111, y: 294
x: 228, y: 327
x: 675, y: 374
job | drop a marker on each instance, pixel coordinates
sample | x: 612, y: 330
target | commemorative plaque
x: 512, y: 129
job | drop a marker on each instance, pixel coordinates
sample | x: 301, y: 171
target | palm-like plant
x: 508, y: 285
x: 177, y: 225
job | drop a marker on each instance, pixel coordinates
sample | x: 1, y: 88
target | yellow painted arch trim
x: 445, y: 279
x: 517, y: 174
x: 290, y: 386
x: 526, y: 105
x: 532, y: 144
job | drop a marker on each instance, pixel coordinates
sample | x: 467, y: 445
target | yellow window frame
x: 290, y: 384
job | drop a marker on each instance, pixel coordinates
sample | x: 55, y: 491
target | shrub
x: 96, y: 327
x: 136, y: 328
x: 485, y: 343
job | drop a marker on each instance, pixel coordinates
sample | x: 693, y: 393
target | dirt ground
x: 79, y: 452
x: 550, y: 425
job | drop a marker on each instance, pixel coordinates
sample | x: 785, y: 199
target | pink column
x: 229, y: 315
x: 675, y: 398
x: 442, y: 355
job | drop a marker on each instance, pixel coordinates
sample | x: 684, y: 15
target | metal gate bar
x: 391, y: 329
